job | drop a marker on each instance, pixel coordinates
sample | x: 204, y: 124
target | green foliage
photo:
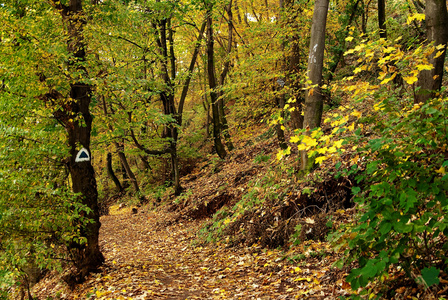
x: 403, y: 188
x: 39, y: 215
x: 261, y: 158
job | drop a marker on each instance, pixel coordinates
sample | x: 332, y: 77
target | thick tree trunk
x: 217, y: 129
x: 430, y: 81
x: 86, y: 256
x: 313, y: 97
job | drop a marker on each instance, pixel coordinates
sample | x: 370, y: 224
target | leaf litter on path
x: 148, y: 262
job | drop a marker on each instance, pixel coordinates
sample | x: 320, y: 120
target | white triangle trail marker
x: 83, y: 155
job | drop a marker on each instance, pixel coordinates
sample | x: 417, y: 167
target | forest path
x: 144, y: 262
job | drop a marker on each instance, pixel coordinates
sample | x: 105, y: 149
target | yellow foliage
x: 439, y: 53
x: 338, y: 144
x: 349, y: 38
x: 410, y: 79
x: 418, y: 17
x: 295, y: 139
x: 425, y: 67
x: 309, y: 141
x: 388, y: 79
x: 320, y: 159
x: 441, y: 171
x: 356, y: 113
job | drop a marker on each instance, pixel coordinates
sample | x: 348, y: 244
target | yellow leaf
x: 439, y: 53
x: 332, y: 149
x: 356, y: 113
x: 441, y: 171
x: 320, y: 159
x: 280, y: 155
x: 389, y: 49
x: 357, y: 70
x: 301, y: 147
x: 315, y: 133
x: 349, y: 38
x: 350, y: 51
x: 388, y: 79
x: 322, y: 150
x: 382, y: 75
x: 302, y: 279
x: 282, y: 128
x: 297, y: 270
x: 325, y: 138
x: 418, y: 17
x: 410, y: 79
x: 295, y: 139
x: 338, y: 144
x: 100, y: 294
x: 424, y: 67
x: 351, y: 127
x: 309, y: 141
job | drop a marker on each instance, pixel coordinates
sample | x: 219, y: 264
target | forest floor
x: 159, y: 252
x: 146, y: 261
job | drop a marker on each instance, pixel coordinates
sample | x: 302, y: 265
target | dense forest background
x: 106, y: 101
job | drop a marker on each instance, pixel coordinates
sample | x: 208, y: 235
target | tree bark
x: 217, y: 129
x: 382, y: 19
x: 111, y: 173
x: 127, y: 168
x: 86, y: 256
x: 313, y: 97
x: 430, y: 81
x: 293, y: 61
x: 222, y: 114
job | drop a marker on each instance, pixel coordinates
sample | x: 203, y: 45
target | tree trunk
x: 313, y: 97
x: 111, y: 173
x: 292, y: 63
x: 217, y: 129
x: 125, y: 164
x: 278, y: 128
x: 222, y: 114
x: 382, y: 18
x: 430, y: 81
x: 167, y: 96
x: 86, y: 256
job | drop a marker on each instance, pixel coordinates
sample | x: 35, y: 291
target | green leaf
x: 385, y: 227
x: 356, y: 190
x: 431, y: 276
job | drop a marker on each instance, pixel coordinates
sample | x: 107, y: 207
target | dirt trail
x: 143, y: 262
